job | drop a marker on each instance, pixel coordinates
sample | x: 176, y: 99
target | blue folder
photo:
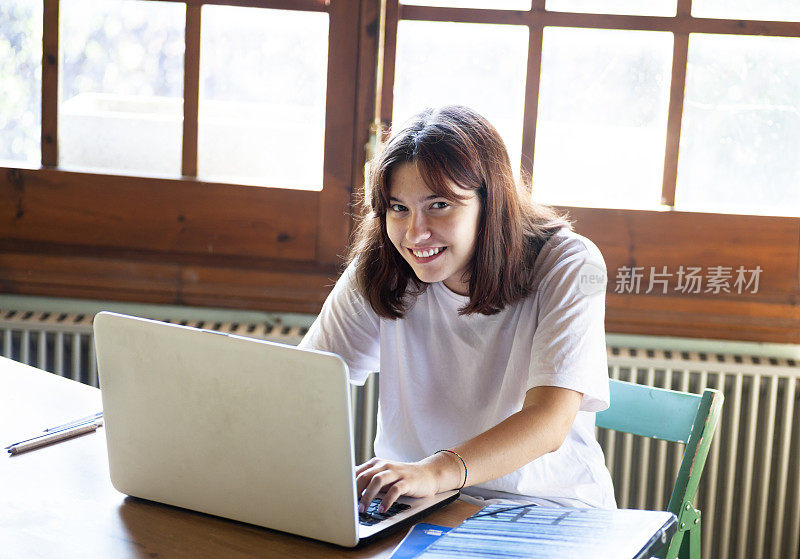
x: 418, y: 539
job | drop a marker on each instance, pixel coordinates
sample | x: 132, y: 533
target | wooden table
x: 58, y: 501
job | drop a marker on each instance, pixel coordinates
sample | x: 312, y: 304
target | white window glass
x: 262, y: 96
x: 20, y: 81
x: 121, y: 104
x: 601, y: 127
x: 740, y: 132
x: 766, y: 10
x: 486, y: 4
x: 481, y: 66
x: 629, y: 7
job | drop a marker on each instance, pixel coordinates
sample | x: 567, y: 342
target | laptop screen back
x: 239, y: 428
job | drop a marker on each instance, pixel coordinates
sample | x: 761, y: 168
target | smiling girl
x: 468, y: 298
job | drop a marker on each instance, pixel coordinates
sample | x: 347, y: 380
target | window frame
x: 176, y: 223
x: 656, y: 237
x: 280, y: 250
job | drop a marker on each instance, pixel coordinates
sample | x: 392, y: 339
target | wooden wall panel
x: 54, y: 275
x: 704, y: 318
x: 255, y: 288
x: 626, y: 238
x: 674, y: 239
x: 157, y: 214
x: 124, y: 278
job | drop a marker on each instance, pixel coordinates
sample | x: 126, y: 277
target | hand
x: 413, y: 479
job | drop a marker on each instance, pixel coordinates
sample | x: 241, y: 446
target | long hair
x: 453, y: 144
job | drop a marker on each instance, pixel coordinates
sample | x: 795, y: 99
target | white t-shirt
x: 446, y: 378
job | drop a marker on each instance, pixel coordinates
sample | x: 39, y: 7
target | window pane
x: 20, y: 81
x: 766, y: 10
x: 479, y: 65
x: 601, y: 128
x: 740, y: 134
x: 121, y: 86
x: 630, y: 7
x: 489, y: 4
x: 262, y: 96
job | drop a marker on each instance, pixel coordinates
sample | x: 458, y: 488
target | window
x: 602, y: 121
x: 20, y: 81
x: 657, y: 125
x: 262, y: 96
x: 457, y: 63
x: 121, y: 74
x: 740, y: 133
x: 667, y: 129
x: 133, y: 133
x: 596, y: 106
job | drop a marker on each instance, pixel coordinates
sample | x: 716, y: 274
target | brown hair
x: 453, y: 144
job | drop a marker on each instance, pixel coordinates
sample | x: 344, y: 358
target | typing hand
x: 413, y: 479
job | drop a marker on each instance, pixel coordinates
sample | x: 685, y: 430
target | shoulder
x: 565, y: 247
x: 565, y: 244
x: 347, y: 288
x: 567, y: 255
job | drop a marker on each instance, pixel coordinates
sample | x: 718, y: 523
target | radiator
x: 62, y: 343
x: 749, y: 494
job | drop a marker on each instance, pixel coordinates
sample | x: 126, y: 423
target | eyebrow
x: 431, y: 197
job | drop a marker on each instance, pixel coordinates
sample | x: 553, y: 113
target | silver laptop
x: 240, y: 428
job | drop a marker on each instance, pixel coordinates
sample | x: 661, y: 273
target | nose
x: 418, y: 229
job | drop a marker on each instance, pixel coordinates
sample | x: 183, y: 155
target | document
x: 556, y: 533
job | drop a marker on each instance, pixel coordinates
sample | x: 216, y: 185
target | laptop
x: 244, y: 429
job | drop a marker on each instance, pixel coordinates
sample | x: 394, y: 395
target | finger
x: 365, y: 477
x: 391, y: 496
x: 378, y: 482
x: 362, y: 480
x: 366, y: 465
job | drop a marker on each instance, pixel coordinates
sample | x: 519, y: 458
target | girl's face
x: 435, y: 235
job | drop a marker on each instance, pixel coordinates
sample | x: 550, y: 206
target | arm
x: 539, y: 427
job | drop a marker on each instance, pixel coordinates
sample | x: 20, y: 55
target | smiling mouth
x: 426, y: 255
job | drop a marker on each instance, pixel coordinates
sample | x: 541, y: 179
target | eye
x: 397, y: 207
x: 440, y: 205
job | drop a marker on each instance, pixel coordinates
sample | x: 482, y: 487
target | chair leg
x: 675, y: 546
x: 690, y: 546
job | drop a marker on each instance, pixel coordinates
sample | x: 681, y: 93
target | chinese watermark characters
x: 688, y: 279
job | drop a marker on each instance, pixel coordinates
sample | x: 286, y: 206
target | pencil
x: 52, y: 438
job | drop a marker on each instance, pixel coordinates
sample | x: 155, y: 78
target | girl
x: 469, y: 300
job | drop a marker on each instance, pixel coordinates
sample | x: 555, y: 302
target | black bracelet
x: 462, y: 461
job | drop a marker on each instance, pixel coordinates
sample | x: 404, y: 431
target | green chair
x: 672, y: 416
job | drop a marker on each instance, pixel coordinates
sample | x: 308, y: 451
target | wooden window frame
x: 658, y: 238
x: 185, y: 241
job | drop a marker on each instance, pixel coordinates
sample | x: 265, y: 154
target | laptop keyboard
x: 372, y: 516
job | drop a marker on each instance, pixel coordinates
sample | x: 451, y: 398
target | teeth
x: 427, y: 253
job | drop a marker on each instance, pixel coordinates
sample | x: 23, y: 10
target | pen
x: 86, y: 419
x: 56, y: 436
x: 71, y: 425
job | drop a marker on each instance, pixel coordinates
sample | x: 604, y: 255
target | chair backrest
x: 672, y: 416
